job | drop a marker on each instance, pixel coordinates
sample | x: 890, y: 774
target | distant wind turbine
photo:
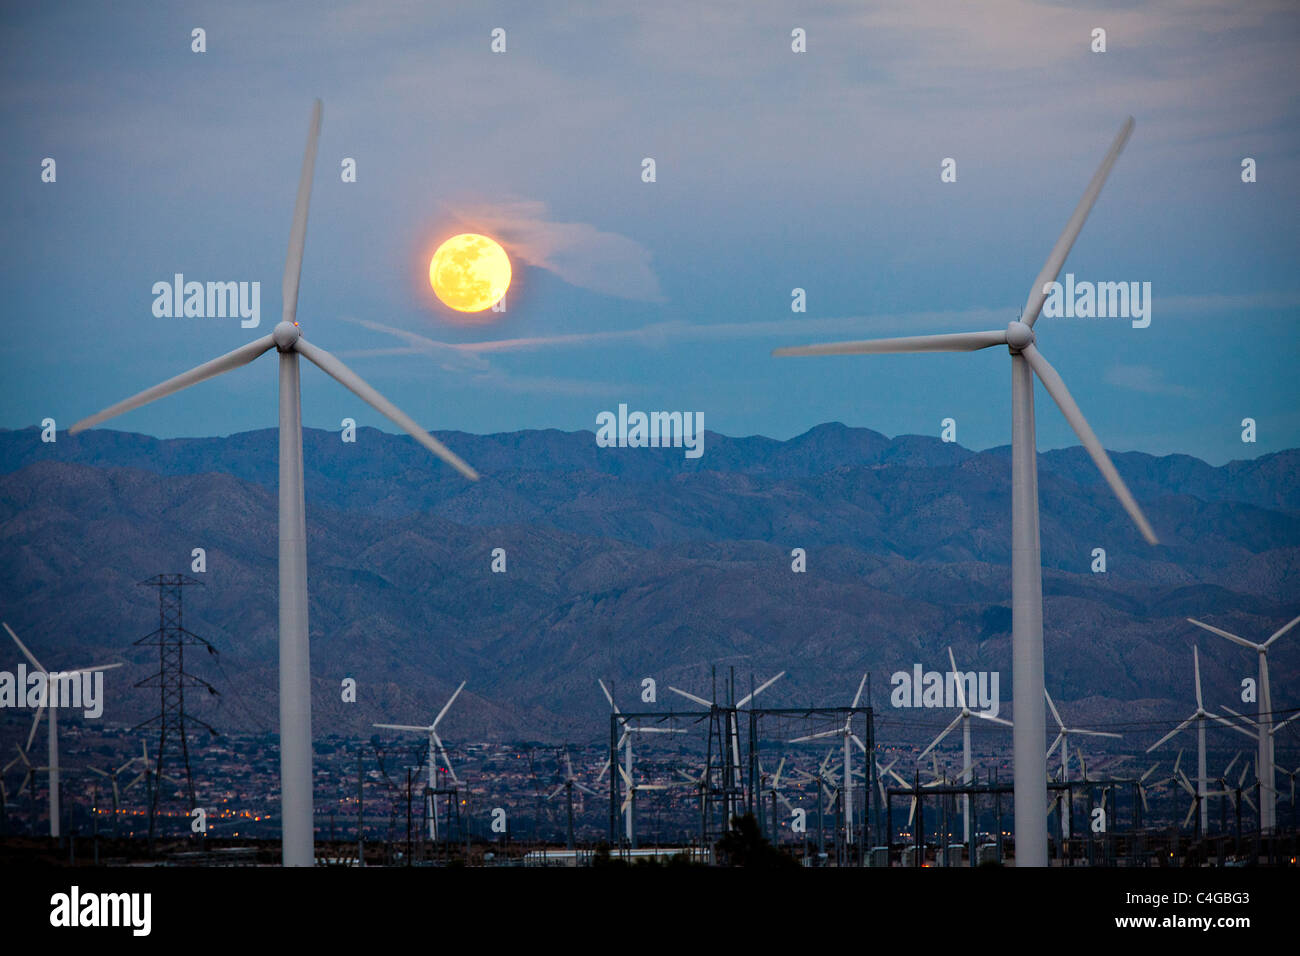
x: 963, y: 717
x: 1265, y: 730
x: 1030, y: 758
x: 436, y: 749
x: 1200, y: 716
x: 51, y: 688
x: 1063, y: 740
x: 297, y: 837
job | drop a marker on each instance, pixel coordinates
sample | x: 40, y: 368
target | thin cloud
x: 1144, y: 378
x: 577, y: 252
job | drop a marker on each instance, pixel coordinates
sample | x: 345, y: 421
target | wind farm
x: 662, y: 506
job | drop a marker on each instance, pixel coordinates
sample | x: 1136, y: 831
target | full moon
x: 470, y: 272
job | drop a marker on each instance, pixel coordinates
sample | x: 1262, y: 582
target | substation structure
x: 1111, y: 838
x: 733, y: 780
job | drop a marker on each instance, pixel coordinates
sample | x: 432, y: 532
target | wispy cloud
x: 1144, y: 378
x: 663, y: 334
x: 577, y: 252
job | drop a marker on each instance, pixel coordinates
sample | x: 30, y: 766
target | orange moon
x: 470, y: 272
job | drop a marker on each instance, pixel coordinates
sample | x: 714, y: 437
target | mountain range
x: 639, y: 563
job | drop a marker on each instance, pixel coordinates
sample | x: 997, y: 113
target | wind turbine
x: 1264, y: 758
x: 1200, y: 715
x: 1063, y: 738
x: 111, y: 776
x: 963, y: 717
x: 297, y: 835
x: 435, y: 746
x: 827, y: 787
x: 1030, y: 758
x: 52, y: 683
x: 566, y: 786
x: 846, y: 732
x: 625, y: 742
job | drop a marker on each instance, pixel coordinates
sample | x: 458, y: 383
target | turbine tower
x: 435, y: 748
x: 52, y: 684
x: 1264, y: 758
x: 1029, y: 738
x: 297, y: 837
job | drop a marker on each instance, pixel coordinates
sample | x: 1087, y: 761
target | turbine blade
x: 983, y: 715
x: 1056, y: 259
x: 1222, y: 633
x: 1052, y: 749
x: 23, y: 647
x: 656, y: 730
x: 1282, y: 723
x: 824, y: 733
x: 1237, y: 727
x: 423, y: 730
x: 1181, y: 727
x: 947, y: 342
x: 863, y: 683
x: 1282, y: 630
x: 31, y: 734
x: 298, y: 232
x: 699, y: 700
x: 1055, y: 713
x: 1096, y: 733
x: 608, y: 696
x: 758, y: 690
x: 350, y: 380
x: 97, y: 667
x: 1196, y: 665
x: 447, y: 706
x: 961, y: 691
x: 231, y: 360
x: 946, y: 731
x: 1061, y: 395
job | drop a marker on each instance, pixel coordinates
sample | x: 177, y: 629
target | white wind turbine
x: 1264, y: 757
x: 846, y: 732
x: 111, y: 776
x: 964, y: 718
x: 625, y: 743
x: 1063, y: 739
x: 1200, y: 716
x: 297, y: 835
x: 566, y: 787
x: 1026, y: 564
x: 435, y: 748
x: 51, y: 690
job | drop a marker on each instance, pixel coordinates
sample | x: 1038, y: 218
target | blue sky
x: 775, y: 170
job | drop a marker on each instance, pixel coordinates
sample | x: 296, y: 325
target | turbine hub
x: 1019, y: 335
x: 285, y: 335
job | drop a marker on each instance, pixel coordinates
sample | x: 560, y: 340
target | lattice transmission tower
x: 173, y: 721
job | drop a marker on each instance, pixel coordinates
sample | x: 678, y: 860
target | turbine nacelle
x: 1019, y: 335
x: 286, y: 336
